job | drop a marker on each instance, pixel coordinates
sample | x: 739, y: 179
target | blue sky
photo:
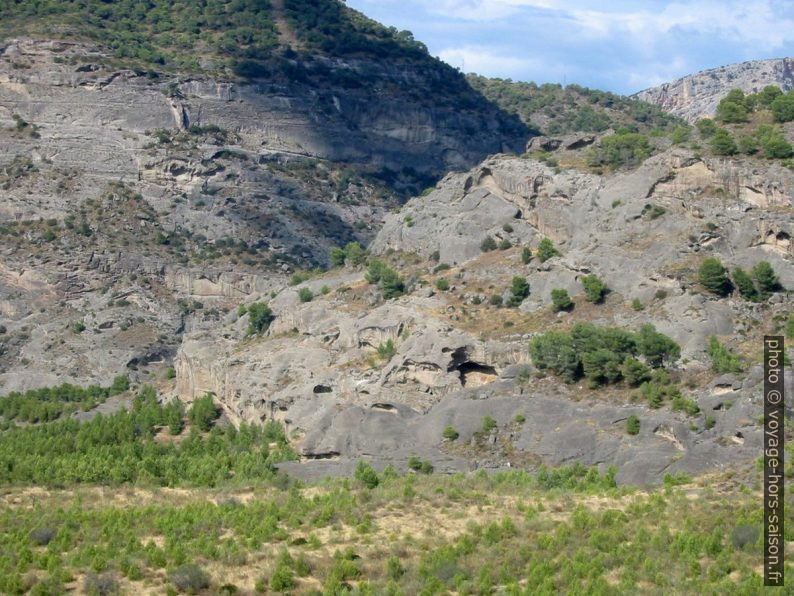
x: 619, y: 45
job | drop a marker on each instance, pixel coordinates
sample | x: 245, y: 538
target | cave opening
x: 474, y: 374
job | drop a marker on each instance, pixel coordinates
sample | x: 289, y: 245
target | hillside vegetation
x: 553, y: 109
x: 380, y: 532
x: 242, y: 38
x: 176, y: 33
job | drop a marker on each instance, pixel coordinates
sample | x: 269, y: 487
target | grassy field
x: 569, y: 531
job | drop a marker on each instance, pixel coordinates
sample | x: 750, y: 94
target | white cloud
x: 484, y: 60
x: 748, y: 21
x: 622, y: 45
x: 753, y: 22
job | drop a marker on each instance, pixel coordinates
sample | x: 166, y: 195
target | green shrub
x: 773, y: 142
x: 417, y: 465
x: 635, y: 372
x: 783, y: 108
x: 121, y: 383
x: 355, y: 254
x: 680, y: 134
x: 714, y: 277
x: 706, y: 127
x: 387, y: 350
x: 190, y: 578
x: 389, y: 282
x: 505, y: 244
x: 305, y: 295
x: 391, y: 285
x: 507, y: 228
x: 546, y: 250
x: 657, y: 348
x: 767, y: 95
x: 394, y: 569
x: 259, y: 318
x: 723, y: 143
x: 722, y: 359
x: 633, y: 425
x: 710, y: 422
x: 519, y: 419
x: 519, y: 290
x: 442, y: 284
x: 679, y: 402
x: 526, y: 255
x: 338, y: 257
x: 488, y: 244
x: 174, y: 416
x: 745, y: 284
x: 555, y: 351
x: 747, y: 144
x: 488, y: 424
x: 495, y: 300
x: 366, y: 474
x: 624, y: 148
x: 594, y: 288
x: 203, y: 413
x: 299, y: 277
x: 733, y: 108
x: 637, y: 305
x: 560, y: 300
x: 78, y: 327
x: 450, y: 433
x: 765, y: 276
x: 602, y: 366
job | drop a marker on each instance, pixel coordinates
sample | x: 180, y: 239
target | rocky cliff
x: 137, y: 203
x: 696, y: 96
x: 457, y: 358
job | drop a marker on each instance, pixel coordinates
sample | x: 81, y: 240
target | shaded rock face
x: 696, y: 96
x: 99, y: 113
x: 643, y: 231
x: 212, y: 163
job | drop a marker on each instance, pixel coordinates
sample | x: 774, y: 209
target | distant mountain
x: 696, y: 96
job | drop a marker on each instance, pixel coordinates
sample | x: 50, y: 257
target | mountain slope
x: 159, y: 161
x: 553, y: 109
x: 696, y: 96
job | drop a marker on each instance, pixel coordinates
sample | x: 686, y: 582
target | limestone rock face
x: 204, y: 165
x: 696, y: 96
x: 643, y: 231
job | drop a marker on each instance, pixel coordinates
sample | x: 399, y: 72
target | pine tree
x: 745, y: 284
x: 714, y: 277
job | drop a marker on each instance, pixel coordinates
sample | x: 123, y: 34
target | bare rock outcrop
x: 696, y: 96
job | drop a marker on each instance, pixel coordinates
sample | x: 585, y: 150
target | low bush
x: 594, y: 288
x: 722, y: 359
x: 190, y: 578
x: 450, y: 433
x: 633, y: 425
x: 546, y: 250
x: 560, y: 300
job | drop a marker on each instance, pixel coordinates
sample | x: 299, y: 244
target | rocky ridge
x: 455, y: 362
x: 696, y: 96
x: 137, y: 204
